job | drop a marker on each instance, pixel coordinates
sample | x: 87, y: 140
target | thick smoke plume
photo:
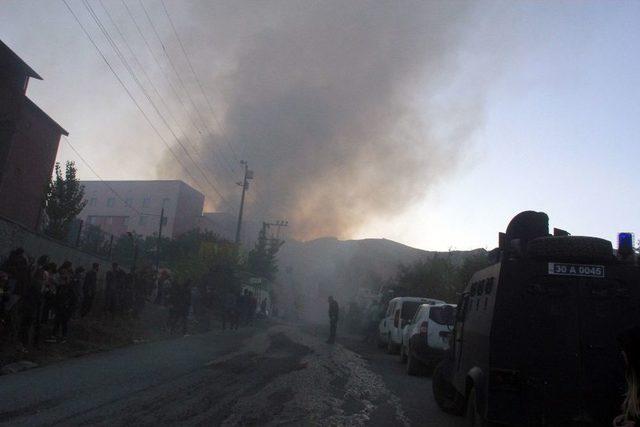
x: 346, y: 111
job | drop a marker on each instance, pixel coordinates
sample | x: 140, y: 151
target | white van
x: 399, y: 312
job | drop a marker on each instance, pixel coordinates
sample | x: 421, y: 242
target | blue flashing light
x: 626, y: 243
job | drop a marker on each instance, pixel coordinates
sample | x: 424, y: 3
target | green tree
x: 261, y: 260
x: 439, y: 276
x: 93, y: 239
x: 64, y: 201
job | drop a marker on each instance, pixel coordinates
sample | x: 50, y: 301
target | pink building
x: 138, y: 210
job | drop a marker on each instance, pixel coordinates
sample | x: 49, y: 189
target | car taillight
x: 396, y: 319
x: 424, y: 328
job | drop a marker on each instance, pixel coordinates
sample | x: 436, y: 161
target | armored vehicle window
x: 462, y: 308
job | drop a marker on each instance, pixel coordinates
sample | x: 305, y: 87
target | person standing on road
x: 89, y: 289
x: 179, y: 304
x: 230, y: 311
x: 263, y: 307
x: 65, y: 303
x: 334, y: 312
x: 32, y: 302
x: 253, y: 306
x: 77, y: 279
x: 111, y: 290
x: 630, y: 345
x: 243, y: 305
x: 49, y: 287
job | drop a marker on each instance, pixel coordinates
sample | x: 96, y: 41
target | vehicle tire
x: 414, y: 367
x: 403, y: 355
x: 570, y: 248
x: 391, y: 349
x: 446, y: 396
x: 474, y: 418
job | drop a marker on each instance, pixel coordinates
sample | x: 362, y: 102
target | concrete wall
x: 13, y: 235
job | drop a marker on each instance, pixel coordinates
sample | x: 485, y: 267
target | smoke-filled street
x: 319, y: 213
x: 277, y: 374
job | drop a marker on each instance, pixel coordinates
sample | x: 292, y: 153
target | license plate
x: 580, y: 270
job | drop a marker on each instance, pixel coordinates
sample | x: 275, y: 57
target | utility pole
x: 159, y: 239
x: 280, y: 224
x: 273, y: 241
x: 248, y: 174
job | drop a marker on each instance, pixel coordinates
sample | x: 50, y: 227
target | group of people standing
x: 46, y: 293
x: 241, y: 309
x: 125, y: 293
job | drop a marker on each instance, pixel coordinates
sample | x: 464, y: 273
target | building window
x: 111, y: 202
x: 146, y: 202
x: 128, y: 202
x: 125, y: 221
x: 92, y: 201
x: 143, y: 220
x: 165, y: 202
x: 164, y: 221
x: 91, y: 219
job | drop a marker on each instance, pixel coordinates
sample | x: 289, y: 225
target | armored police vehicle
x: 534, y: 341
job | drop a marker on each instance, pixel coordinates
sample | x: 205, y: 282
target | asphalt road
x: 275, y: 374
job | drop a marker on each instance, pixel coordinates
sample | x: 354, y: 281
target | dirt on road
x: 277, y: 374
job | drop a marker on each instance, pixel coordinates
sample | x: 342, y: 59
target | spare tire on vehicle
x: 570, y: 248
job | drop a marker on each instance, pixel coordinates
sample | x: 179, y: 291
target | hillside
x: 312, y: 270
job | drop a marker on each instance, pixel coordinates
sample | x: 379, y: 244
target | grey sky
x: 506, y: 106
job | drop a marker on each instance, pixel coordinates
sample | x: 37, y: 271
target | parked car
x: 399, y: 311
x: 534, y: 340
x: 426, y: 338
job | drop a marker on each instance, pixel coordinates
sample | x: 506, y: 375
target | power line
x: 88, y: 165
x: 86, y: 33
x: 193, y: 71
x: 221, y: 162
x: 184, y: 52
x: 157, y: 92
x: 180, y: 80
x: 144, y: 91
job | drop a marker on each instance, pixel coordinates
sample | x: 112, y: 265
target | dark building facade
x: 29, y: 141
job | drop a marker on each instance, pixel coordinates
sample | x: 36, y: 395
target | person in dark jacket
x: 65, y: 304
x: 49, y: 292
x: 17, y: 266
x: 629, y: 342
x: 89, y: 288
x: 179, y: 305
x: 111, y: 289
x: 77, y: 279
x: 230, y: 313
x: 334, y: 312
x: 32, y: 303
